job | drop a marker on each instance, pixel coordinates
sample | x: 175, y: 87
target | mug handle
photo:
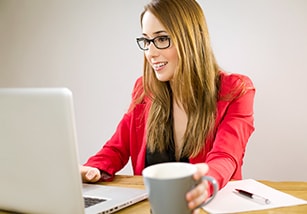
x: 215, y: 189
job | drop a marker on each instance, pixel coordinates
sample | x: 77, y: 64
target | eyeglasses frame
x: 153, y: 41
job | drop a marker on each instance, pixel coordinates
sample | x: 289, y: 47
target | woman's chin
x: 163, y: 77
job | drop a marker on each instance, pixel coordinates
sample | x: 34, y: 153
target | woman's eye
x: 146, y: 42
x: 162, y: 39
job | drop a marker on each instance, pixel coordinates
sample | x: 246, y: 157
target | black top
x: 160, y: 157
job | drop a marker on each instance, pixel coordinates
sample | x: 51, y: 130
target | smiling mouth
x: 159, y: 65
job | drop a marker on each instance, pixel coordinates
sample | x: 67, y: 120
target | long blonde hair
x: 195, y: 83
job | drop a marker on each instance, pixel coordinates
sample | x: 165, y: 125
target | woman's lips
x: 159, y: 66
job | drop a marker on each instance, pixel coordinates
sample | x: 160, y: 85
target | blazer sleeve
x: 115, y: 153
x: 234, y: 127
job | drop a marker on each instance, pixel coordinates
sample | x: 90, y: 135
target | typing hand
x: 89, y: 174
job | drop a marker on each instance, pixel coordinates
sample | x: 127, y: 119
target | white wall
x: 89, y: 47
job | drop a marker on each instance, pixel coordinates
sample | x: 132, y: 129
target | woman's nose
x: 152, y: 50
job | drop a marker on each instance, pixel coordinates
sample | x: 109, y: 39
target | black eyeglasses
x: 160, y: 42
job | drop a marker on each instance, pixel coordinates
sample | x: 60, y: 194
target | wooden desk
x: 297, y: 189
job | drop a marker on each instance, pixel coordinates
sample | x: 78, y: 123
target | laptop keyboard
x: 92, y: 201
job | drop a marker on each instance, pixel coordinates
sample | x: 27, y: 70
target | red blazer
x: 223, y: 154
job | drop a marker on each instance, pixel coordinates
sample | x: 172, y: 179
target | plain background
x: 89, y: 46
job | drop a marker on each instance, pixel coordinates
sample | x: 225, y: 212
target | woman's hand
x: 199, y: 194
x: 90, y: 174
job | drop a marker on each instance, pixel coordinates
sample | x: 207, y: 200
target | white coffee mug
x: 167, y: 185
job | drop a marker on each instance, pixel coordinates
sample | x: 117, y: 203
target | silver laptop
x: 39, y: 162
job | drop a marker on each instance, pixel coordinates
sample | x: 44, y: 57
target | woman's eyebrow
x: 155, y: 33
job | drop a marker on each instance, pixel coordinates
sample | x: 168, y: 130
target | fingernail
x: 89, y: 175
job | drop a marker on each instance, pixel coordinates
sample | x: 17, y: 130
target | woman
x: 184, y: 108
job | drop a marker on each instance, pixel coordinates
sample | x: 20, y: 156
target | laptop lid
x: 39, y: 162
